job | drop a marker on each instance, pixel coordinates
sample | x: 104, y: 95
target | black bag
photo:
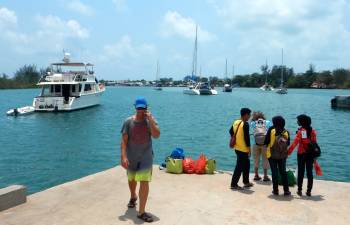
x: 313, y: 150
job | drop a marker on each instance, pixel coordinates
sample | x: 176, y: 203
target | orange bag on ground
x: 200, y: 164
x: 317, y: 168
x: 188, y: 165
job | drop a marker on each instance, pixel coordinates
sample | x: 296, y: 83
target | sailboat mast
x: 265, y: 71
x: 157, y: 74
x: 282, y: 70
x: 226, y: 70
x: 194, y: 62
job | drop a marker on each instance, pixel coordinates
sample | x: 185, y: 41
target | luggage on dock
x: 173, y: 165
x: 177, y: 153
x: 188, y: 165
x: 200, y: 164
x: 290, y: 176
x: 210, y: 166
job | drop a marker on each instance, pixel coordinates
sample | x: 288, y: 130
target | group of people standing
x: 137, y: 152
x: 272, y: 144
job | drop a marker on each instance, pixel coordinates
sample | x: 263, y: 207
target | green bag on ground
x: 174, y: 165
x: 290, y: 176
x: 210, y: 166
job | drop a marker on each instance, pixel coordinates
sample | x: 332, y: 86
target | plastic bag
x: 200, y: 164
x: 188, y: 165
x: 177, y: 153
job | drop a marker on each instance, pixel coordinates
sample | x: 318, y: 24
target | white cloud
x: 125, y: 49
x: 59, y: 27
x: 51, y: 36
x: 8, y: 18
x: 78, y: 6
x: 120, y: 5
x: 309, y: 30
x: 176, y: 24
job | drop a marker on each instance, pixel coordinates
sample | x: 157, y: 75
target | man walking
x: 137, y: 153
x: 240, y: 129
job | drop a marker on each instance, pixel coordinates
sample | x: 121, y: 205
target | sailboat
x: 227, y: 87
x: 266, y: 86
x: 158, y: 86
x: 282, y: 90
x: 197, y: 88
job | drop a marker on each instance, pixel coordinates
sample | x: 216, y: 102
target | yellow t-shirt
x: 272, y: 141
x: 240, y: 142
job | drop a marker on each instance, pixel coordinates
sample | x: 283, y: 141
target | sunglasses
x: 140, y: 108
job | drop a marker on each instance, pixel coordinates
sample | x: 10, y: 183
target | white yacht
x: 68, y: 86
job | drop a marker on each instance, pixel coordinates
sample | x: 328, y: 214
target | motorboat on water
x: 20, y: 111
x: 68, y: 86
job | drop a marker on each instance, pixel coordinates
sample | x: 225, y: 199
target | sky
x: 125, y: 38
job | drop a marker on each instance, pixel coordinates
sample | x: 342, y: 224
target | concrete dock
x: 101, y: 199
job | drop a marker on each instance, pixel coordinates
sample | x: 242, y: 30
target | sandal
x: 145, y: 217
x: 132, y: 203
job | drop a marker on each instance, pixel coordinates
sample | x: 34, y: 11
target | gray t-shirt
x: 139, y: 149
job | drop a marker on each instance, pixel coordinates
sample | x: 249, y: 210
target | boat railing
x: 67, y: 77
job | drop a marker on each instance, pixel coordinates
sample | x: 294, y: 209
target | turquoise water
x: 46, y: 149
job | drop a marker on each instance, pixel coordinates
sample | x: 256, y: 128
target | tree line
x: 28, y: 76
x: 25, y: 77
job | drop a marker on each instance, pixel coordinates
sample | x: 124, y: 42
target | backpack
x: 188, y: 165
x: 279, y: 149
x: 260, y: 131
x: 312, y: 150
x: 200, y: 164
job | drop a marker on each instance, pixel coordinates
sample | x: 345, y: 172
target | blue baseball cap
x: 140, y: 102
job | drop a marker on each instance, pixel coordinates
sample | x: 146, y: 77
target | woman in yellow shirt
x: 277, y: 141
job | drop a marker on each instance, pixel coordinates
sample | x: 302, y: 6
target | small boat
x: 227, y: 87
x: 191, y: 90
x: 158, y: 86
x: 267, y: 87
x: 341, y: 101
x: 21, y: 111
x: 282, y: 90
x: 206, y: 89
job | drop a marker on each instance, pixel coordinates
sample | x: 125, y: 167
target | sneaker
x: 257, y: 178
x: 287, y: 193
x: 248, y: 185
x: 299, y: 193
x: 266, y: 179
x: 308, y: 193
x: 236, y: 187
x: 275, y: 192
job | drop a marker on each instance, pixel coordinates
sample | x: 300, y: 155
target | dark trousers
x: 242, y: 166
x: 279, y: 165
x: 304, y: 161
